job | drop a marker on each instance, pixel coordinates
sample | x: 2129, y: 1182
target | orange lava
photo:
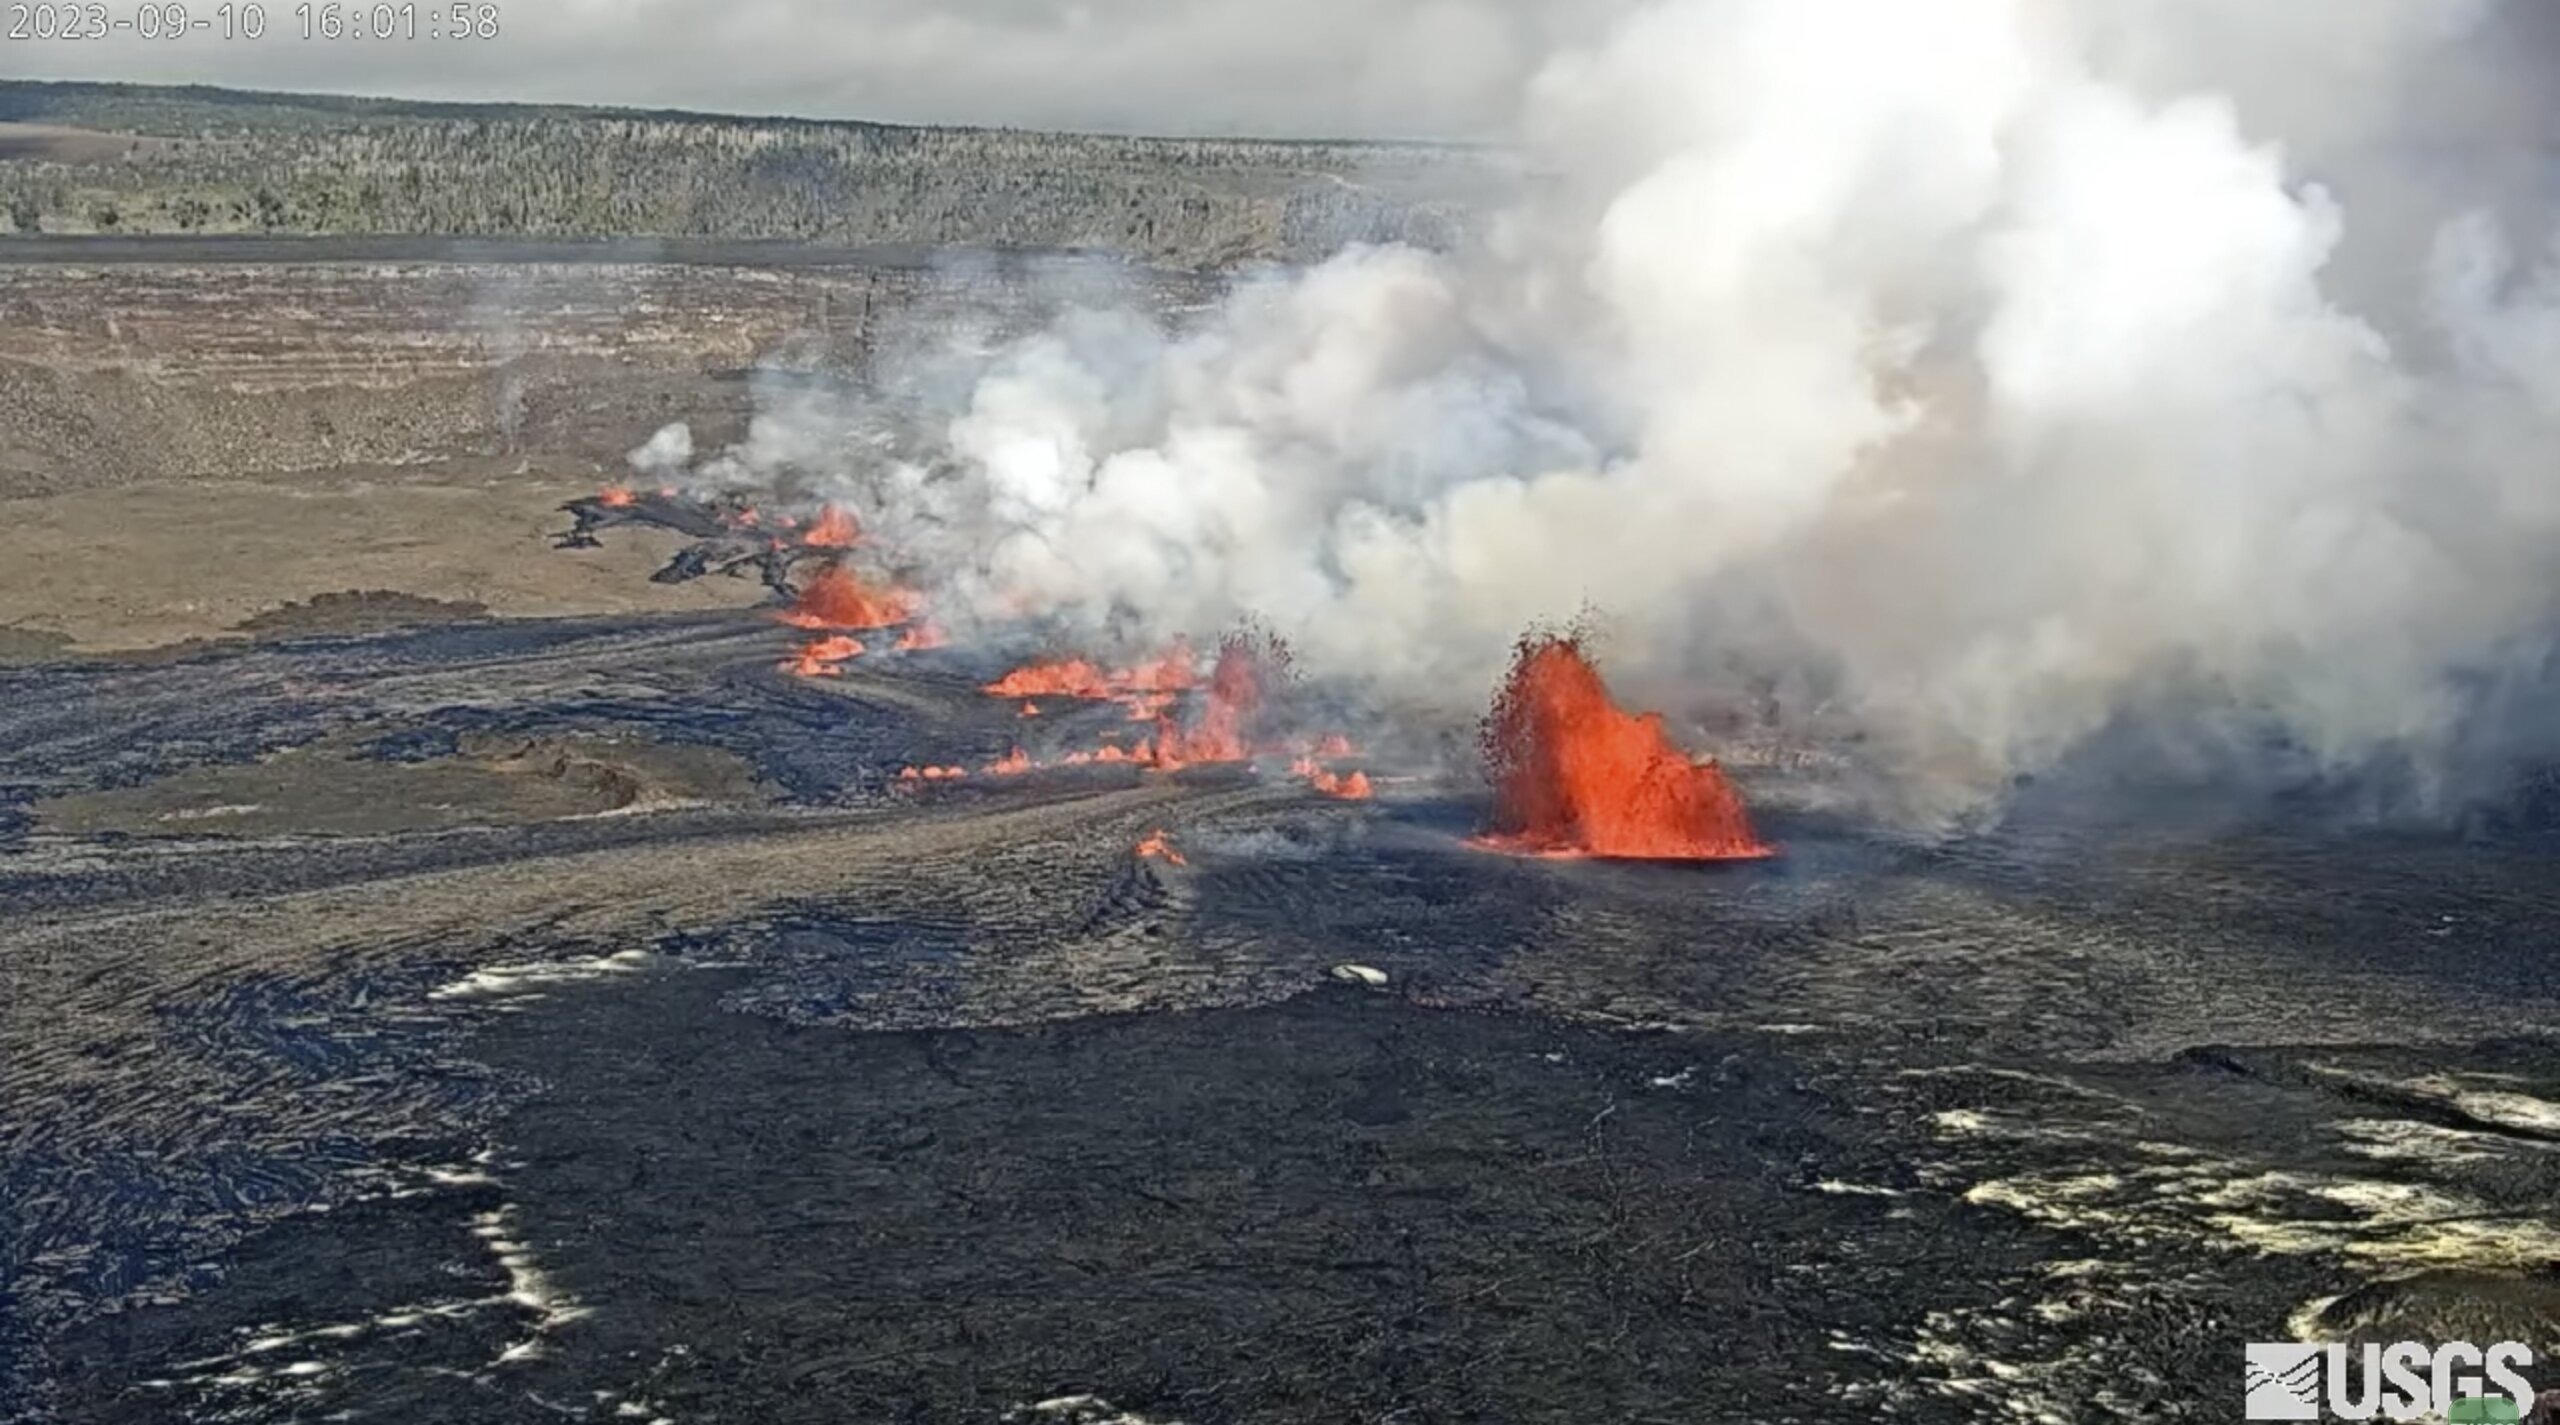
x: 1349, y: 786
x: 1172, y: 671
x: 1011, y: 764
x: 1151, y: 690
x: 1235, y: 695
x: 832, y: 529
x: 920, y: 636
x: 1060, y: 678
x: 614, y: 496
x: 1575, y: 774
x: 823, y: 657
x: 837, y: 599
x: 933, y: 774
x: 1148, y: 687
x: 1155, y: 845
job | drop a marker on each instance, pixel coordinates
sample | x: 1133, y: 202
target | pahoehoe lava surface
x: 825, y: 1099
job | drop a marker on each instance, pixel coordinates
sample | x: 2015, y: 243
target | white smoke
x: 1988, y: 365
x: 665, y: 454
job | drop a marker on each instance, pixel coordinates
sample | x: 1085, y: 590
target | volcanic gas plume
x: 1575, y: 774
x: 1995, y: 378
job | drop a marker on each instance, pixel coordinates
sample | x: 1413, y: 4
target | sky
x: 1298, y: 69
x: 1445, y: 69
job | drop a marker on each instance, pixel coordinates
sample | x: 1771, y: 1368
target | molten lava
x: 933, y: 774
x: 1011, y: 764
x: 836, y: 599
x: 823, y: 657
x: 1574, y: 774
x: 1062, y: 678
x: 1350, y: 786
x: 920, y: 636
x: 832, y: 529
x: 1235, y: 695
x: 614, y: 497
x: 1172, y: 671
x: 1155, y: 845
x: 1146, y: 688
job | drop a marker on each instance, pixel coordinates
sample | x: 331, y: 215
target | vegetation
x: 222, y: 161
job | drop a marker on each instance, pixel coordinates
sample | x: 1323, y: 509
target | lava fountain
x: 1574, y: 774
x: 922, y: 636
x: 836, y: 599
x: 832, y: 529
x: 1245, y: 665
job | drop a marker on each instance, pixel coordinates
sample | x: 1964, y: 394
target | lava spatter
x: 1234, y: 696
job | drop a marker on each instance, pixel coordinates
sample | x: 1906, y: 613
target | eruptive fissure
x: 1573, y: 773
x: 1576, y: 775
x: 1189, y: 720
x: 1146, y: 688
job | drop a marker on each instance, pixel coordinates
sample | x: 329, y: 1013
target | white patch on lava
x: 1078, y: 1410
x: 1838, y: 1188
x: 2402, y: 1140
x: 212, y: 812
x: 526, y: 980
x: 528, y: 1285
x: 314, y: 1349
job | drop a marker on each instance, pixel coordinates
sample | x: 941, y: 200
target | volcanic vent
x: 1576, y: 775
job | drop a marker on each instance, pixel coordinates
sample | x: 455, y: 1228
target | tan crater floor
x: 145, y: 566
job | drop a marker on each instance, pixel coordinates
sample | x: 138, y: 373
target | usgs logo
x: 2458, y: 1381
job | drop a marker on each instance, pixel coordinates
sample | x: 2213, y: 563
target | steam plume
x: 1983, y: 373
